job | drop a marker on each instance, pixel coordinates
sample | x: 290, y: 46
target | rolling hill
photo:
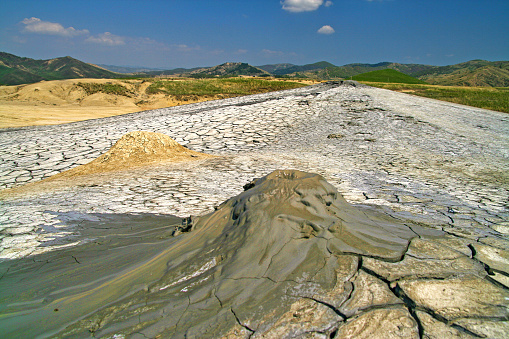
x: 304, y: 68
x: 128, y: 69
x: 275, y: 67
x: 170, y: 72
x: 350, y: 70
x: 229, y: 69
x: 15, y: 70
x: 471, y: 73
x: 387, y: 75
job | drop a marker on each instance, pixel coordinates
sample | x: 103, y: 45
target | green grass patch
x: 223, y: 86
x: 106, y: 88
x: 387, y: 75
x: 493, y: 98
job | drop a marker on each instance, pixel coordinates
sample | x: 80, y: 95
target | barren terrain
x: 402, y: 234
x: 64, y: 101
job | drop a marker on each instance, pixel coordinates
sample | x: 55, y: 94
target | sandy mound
x: 137, y: 149
x: 283, y: 244
x: 133, y: 150
x: 64, y: 101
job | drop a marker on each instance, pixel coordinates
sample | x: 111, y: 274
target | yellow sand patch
x: 64, y: 101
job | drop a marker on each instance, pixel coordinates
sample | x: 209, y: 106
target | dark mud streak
x: 352, y: 289
x: 472, y: 249
x: 338, y: 312
x: 407, y: 246
x: 448, y: 216
x: 272, y: 257
x: 219, y: 300
x: 448, y: 322
x: 417, y: 234
x: 142, y: 335
x: 496, y: 283
x: 7, y: 271
x: 326, y: 259
x: 409, y: 303
x: 379, y: 307
x: 373, y: 256
x: 241, y: 324
x: 182, y: 315
x: 487, y: 268
x: 412, y: 307
x: 75, y: 259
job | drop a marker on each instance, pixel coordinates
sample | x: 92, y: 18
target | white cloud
x: 326, y: 30
x: 186, y: 48
x: 271, y: 53
x: 276, y: 55
x: 36, y: 25
x: 303, y: 5
x: 328, y: 3
x: 106, y: 38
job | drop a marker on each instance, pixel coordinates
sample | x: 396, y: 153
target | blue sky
x: 190, y: 33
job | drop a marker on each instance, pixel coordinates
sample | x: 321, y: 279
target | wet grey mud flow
x: 418, y: 249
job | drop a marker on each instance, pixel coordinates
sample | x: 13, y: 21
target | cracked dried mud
x: 394, y: 227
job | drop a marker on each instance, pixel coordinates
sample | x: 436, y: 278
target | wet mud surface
x: 244, y: 264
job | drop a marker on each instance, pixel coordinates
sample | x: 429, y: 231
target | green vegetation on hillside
x: 107, y: 88
x: 472, y: 73
x: 493, y: 98
x: 223, y: 86
x: 16, y: 70
x: 347, y: 71
x: 387, y: 75
x: 494, y: 74
x: 12, y: 76
x: 309, y: 67
x: 275, y: 67
x: 228, y: 69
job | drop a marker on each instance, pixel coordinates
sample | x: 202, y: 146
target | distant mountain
x: 226, y: 70
x: 275, y: 67
x: 128, y: 69
x: 229, y: 69
x: 350, y: 70
x: 15, y: 70
x: 387, y: 75
x: 470, y: 73
x: 304, y: 68
x: 172, y: 72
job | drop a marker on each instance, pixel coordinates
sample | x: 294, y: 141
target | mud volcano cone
x: 286, y: 243
x: 133, y: 150
x: 299, y: 205
x: 136, y: 149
